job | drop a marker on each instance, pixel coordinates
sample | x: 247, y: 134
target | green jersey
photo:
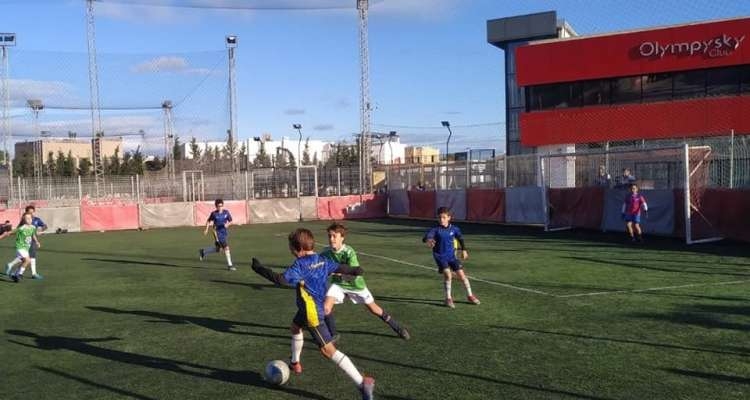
x: 24, y: 236
x: 345, y: 255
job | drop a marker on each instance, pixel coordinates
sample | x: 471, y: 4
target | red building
x: 673, y: 82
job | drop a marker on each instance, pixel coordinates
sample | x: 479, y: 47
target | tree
x: 60, y: 163
x: 69, y: 165
x: 306, y: 153
x: 113, y: 166
x: 84, y: 167
x: 195, y: 150
x: 262, y: 159
x: 243, y: 155
x: 23, y: 164
x: 127, y: 164
x: 155, y: 164
x: 137, y: 161
x: 177, y: 148
x: 230, y: 149
x: 49, y: 166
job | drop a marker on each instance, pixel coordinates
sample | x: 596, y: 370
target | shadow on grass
x: 388, y: 299
x: 141, y: 262
x: 639, y: 265
x: 214, y: 324
x: 703, y: 315
x: 624, y: 341
x: 84, y: 346
x: 710, y: 376
x: 370, y: 334
x: 479, y: 377
x: 95, y: 384
x: 255, y: 286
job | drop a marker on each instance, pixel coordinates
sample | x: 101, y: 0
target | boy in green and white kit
x: 355, y: 289
x: 25, y: 235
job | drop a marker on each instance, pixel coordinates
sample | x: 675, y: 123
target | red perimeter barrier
x: 485, y: 205
x: 109, y: 218
x: 422, y: 204
x: 728, y: 210
x: 237, y: 208
x: 578, y: 207
x: 351, y: 207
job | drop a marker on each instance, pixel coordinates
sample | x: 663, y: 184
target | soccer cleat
x: 449, y: 303
x: 16, y: 278
x: 37, y: 277
x: 231, y: 268
x: 201, y: 254
x: 368, y: 388
x: 403, y: 333
x: 473, y: 300
x: 296, y: 367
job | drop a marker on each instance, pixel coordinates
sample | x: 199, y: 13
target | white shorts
x: 355, y: 296
x: 22, y: 253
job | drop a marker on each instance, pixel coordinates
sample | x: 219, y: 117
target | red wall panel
x: 683, y: 118
x: 618, y: 54
x: 485, y: 205
x: 109, y: 218
x: 351, y: 207
x: 422, y: 204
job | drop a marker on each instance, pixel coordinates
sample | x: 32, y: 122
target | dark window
x: 596, y: 92
x: 562, y: 95
x: 723, y: 81
x: 657, y: 87
x: 745, y: 79
x: 689, y: 84
x: 626, y: 90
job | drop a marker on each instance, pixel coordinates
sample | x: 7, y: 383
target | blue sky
x: 429, y: 62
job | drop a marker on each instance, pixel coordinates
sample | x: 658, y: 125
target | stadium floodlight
x: 391, y: 135
x: 231, y: 41
x: 7, y: 39
x: 298, y: 127
x: 447, y: 125
x: 35, y: 105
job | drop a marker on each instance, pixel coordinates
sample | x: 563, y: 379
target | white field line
x: 654, y: 289
x: 470, y: 277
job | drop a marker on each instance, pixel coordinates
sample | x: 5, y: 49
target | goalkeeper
x: 353, y: 288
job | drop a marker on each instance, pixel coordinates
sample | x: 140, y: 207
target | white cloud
x: 143, y: 13
x: 168, y: 64
x: 324, y: 127
x: 50, y: 92
x: 419, y: 8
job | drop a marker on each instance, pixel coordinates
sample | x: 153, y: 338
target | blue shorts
x: 221, y: 239
x: 634, y: 218
x: 447, y: 262
x: 32, y: 250
x: 320, y: 334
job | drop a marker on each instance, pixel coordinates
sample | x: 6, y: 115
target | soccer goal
x: 699, y: 226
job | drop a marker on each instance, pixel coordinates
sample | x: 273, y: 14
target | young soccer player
x: 634, y: 204
x: 25, y: 235
x: 40, y: 227
x: 445, y: 239
x: 309, y: 274
x: 221, y: 219
x: 355, y: 289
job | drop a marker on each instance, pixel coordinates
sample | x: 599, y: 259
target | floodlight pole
x: 169, y: 139
x: 4, y: 44
x: 447, y: 125
x: 298, y: 127
x: 231, y: 41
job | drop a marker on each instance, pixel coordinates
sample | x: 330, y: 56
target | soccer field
x: 135, y: 315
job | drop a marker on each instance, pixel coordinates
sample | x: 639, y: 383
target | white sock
x: 447, y: 285
x: 229, y: 258
x: 33, y: 266
x: 22, y: 270
x: 14, y: 263
x: 348, y: 366
x: 209, y: 250
x: 298, y: 340
x: 467, y: 285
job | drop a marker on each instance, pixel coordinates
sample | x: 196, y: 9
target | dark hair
x: 29, y: 208
x: 302, y: 240
x: 217, y: 202
x: 633, y: 185
x: 337, y: 227
x: 443, y: 210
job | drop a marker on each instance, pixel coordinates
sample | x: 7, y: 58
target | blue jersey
x: 447, y: 239
x: 310, y: 275
x: 220, y: 219
x: 37, y: 222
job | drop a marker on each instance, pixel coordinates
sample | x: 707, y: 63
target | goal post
x: 698, y: 227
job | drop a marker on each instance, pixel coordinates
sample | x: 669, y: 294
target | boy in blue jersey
x: 40, y: 227
x: 221, y: 219
x: 445, y: 239
x: 309, y: 274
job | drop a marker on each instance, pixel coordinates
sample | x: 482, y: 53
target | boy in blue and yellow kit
x: 445, y: 239
x: 220, y: 218
x: 309, y: 274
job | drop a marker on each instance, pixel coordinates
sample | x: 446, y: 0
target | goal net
x: 700, y: 225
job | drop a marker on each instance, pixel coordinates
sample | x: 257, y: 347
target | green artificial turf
x: 135, y: 315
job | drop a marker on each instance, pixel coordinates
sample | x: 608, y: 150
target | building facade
x: 422, y: 155
x: 669, y: 83
x: 78, y: 148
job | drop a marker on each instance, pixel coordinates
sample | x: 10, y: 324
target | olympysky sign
x: 716, y: 47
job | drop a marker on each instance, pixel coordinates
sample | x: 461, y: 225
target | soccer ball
x: 276, y: 373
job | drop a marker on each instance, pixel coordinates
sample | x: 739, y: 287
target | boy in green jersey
x: 25, y: 235
x: 353, y: 288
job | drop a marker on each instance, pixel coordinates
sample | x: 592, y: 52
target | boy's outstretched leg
x: 447, y: 276
x: 298, y: 341
x: 206, y: 251
x: 366, y: 385
x: 465, y: 279
x: 378, y: 311
x: 9, y: 267
x: 229, y: 259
